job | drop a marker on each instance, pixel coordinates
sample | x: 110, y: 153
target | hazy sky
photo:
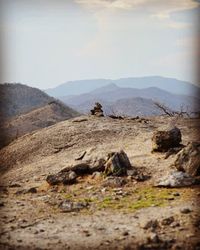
x: 48, y: 42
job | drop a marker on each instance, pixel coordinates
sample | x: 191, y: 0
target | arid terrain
x: 96, y: 212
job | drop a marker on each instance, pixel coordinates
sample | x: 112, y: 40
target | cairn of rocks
x: 97, y: 110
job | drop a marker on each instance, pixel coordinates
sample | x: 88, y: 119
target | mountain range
x: 83, y: 86
x: 24, y: 109
x: 131, y: 101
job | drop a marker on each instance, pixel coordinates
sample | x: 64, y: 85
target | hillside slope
x: 17, y: 99
x: 42, y: 117
x: 86, y: 132
x: 24, y: 109
x: 115, y: 217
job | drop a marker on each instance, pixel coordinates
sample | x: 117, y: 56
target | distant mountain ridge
x: 132, y: 100
x: 84, y: 86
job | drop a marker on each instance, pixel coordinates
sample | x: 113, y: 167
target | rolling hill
x: 25, y: 109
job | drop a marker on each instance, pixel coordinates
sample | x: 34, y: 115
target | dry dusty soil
x: 134, y: 215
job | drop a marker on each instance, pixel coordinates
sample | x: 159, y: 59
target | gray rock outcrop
x: 176, y: 179
x: 188, y: 159
x: 117, y: 164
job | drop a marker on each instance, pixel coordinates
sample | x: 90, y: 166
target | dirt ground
x: 135, y: 215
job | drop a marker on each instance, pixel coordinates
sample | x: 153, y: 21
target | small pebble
x: 185, y: 210
x: 125, y: 233
x: 176, y: 194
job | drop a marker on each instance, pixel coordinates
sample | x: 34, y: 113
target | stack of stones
x: 97, y: 110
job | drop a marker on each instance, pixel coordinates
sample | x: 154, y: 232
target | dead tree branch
x: 172, y: 113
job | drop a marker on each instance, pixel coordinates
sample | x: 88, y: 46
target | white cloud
x: 161, y: 8
x: 111, y: 4
x: 163, y: 12
x: 157, y: 9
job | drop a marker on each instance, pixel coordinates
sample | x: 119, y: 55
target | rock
x: 14, y: 185
x: 19, y: 192
x: 176, y: 179
x: 175, y: 224
x: 114, y: 182
x: 176, y: 194
x: 97, y: 164
x: 69, y: 206
x: 1, y: 204
x: 103, y: 190
x: 141, y: 177
x: 97, y: 110
x: 164, y: 140
x: 197, y: 180
x: 131, y: 172
x: 125, y: 233
x: 96, y: 175
x: 81, y: 169
x: 66, y: 178
x: 70, y: 178
x: 81, y: 156
x: 152, y: 224
x: 167, y: 221
x: 80, y: 120
x: 116, y: 117
x: 117, y: 164
x: 173, y: 151
x: 54, y: 179
x: 185, y: 210
x: 188, y: 159
x: 32, y: 190
x: 153, y: 238
x: 197, y: 224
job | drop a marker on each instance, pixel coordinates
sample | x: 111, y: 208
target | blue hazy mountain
x: 84, y: 86
x: 131, y: 101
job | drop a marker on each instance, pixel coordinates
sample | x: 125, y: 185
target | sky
x: 48, y: 42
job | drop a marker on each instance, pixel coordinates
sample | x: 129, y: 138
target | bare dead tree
x: 184, y: 111
x: 167, y: 111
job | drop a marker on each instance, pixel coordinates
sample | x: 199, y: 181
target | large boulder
x: 117, y: 164
x: 188, y: 159
x: 163, y: 140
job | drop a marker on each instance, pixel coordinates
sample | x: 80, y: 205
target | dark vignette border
x: 2, y: 70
